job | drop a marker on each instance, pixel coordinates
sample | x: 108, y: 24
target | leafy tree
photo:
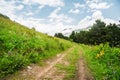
x: 99, y: 33
x: 73, y: 36
x: 60, y: 35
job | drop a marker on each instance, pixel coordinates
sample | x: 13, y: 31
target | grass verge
x: 103, y: 61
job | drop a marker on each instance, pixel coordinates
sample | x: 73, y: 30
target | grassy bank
x: 20, y: 46
x: 103, y: 61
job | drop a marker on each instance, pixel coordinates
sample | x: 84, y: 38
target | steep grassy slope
x: 20, y: 46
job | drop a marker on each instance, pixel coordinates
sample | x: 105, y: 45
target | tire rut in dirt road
x: 83, y: 72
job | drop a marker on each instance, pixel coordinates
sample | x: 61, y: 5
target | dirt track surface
x: 83, y: 73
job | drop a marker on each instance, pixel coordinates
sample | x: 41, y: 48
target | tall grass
x: 20, y: 46
x: 103, y: 61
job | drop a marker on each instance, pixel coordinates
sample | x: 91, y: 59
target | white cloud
x: 97, y: 4
x: 20, y: 7
x: 50, y: 29
x: 76, y: 11
x: 55, y: 17
x: 9, y: 8
x: 97, y: 15
x: 41, y: 6
x: 78, y: 5
x: 102, y: 5
x: 29, y: 13
x: 53, y: 3
x: 92, y: 1
x: 89, y: 20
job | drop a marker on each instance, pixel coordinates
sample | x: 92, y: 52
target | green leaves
x: 98, y: 33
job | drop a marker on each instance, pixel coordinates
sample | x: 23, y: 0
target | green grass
x: 20, y: 46
x: 72, y: 59
x: 103, y: 61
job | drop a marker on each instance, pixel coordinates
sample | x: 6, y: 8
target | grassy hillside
x: 20, y: 46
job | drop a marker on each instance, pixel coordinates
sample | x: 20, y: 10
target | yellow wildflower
x: 98, y: 55
x: 101, y: 52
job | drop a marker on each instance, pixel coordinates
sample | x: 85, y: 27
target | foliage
x: 60, y: 35
x: 99, y: 33
x: 103, y: 61
x: 20, y: 46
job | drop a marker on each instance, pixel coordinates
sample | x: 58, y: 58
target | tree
x: 60, y: 35
x: 73, y: 36
x: 99, y: 33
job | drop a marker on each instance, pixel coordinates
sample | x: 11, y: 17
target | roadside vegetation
x: 103, y: 61
x: 20, y: 46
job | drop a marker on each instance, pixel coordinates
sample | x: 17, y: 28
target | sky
x: 53, y: 16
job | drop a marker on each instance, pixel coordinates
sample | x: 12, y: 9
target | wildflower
x: 98, y: 55
x: 101, y: 53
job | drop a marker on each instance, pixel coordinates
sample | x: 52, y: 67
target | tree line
x: 97, y: 34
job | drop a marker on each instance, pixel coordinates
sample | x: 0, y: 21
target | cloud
x: 97, y: 15
x: 53, y: 3
x: 41, y: 6
x: 102, y: 5
x: 78, y: 5
x: 50, y: 29
x: 97, y: 4
x: 20, y: 7
x: 89, y: 20
x: 58, y: 18
x: 92, y: 1
x: 29, y: 13
x: 9, y: 8
x: 76, y: 11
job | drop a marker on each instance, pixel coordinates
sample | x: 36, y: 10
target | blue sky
x: 52, y: 16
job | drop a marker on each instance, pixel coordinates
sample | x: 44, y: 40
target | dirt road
x: 50, y: 72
